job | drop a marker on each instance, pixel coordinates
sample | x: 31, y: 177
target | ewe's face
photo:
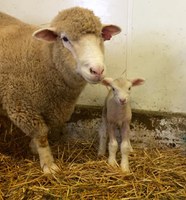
x: 87, y: 49
x: 89, y: 55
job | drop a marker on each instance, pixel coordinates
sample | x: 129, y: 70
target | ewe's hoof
x: 51, y: 170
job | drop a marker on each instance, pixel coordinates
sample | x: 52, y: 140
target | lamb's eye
x: 65, y: 39
x: 113, y: 89
x: 129, y: 88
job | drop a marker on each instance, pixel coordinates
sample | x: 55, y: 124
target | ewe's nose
x: 98, y: 71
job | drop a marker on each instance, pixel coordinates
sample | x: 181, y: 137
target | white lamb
x: 117, y: 115
x: 41, y: 77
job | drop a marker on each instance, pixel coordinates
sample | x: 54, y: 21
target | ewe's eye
x: 113, y: 89
x: 129, y: 88
x: 65, y: 39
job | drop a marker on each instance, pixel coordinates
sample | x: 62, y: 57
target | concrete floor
x: 147, y: 129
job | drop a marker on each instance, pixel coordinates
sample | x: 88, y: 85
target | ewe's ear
x: 46, y: 34
x: 110, y: 30
x: 137, y: 81
x: 107, y: 82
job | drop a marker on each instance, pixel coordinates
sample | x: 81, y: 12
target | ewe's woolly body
x: 27, y: 66
x: 40, y: 82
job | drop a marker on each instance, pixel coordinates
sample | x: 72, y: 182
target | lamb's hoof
x: 101, y: 157
x: 53, y: 169
x: 125, y: 169
x: 131, y: 150
x: 113, y: 163
x: 101, y: 153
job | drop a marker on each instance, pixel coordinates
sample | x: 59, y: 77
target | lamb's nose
x: 123, y: 101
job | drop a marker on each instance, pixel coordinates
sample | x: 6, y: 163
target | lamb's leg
x: 113, y: 146
x: 102, y: 138
x: 126, y: 147
x: 33, y: 125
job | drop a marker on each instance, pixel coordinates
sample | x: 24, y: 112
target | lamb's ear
x: 110, y: 30
x: 107, y: 82
x: 46, y: 34
x: 137, y: 81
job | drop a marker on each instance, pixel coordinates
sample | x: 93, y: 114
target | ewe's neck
x: 66, y: 65
x: 73, y: 80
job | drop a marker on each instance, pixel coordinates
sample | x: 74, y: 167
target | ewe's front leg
x: 126, y: 147
x: 41, y: 146
x: 33, y: 125
x: 113, y: 146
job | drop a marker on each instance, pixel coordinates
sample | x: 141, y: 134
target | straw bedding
x: 155, y: 173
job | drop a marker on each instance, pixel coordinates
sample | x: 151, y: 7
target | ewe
x: 40, y: 81
x: 117, y: 114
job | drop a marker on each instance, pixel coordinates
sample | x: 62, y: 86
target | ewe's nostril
x: 92, y: 71
x: 96, y: 71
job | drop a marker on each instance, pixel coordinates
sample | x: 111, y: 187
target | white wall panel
x: 158, y: 53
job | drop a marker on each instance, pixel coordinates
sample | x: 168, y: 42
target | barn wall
x: 152, y: 45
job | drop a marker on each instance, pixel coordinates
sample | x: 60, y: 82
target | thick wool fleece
x: 38, y: 85
x: 68, y: 21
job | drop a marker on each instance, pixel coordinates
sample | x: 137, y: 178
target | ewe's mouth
x: 93, y: 79
x: 89, y: 75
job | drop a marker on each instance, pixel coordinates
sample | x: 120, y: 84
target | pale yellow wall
x: 158, y: 52
x: 152, y: 45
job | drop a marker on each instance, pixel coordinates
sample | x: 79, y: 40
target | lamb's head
x: 82, y: 34
x: 121, y: 88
